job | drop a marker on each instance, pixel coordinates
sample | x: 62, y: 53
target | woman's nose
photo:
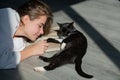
x: 41, y: 31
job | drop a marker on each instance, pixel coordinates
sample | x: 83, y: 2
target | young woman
x: 30, y: 21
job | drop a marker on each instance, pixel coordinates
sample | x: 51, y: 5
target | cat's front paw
x: 52, y: 40
x: 39, y: 69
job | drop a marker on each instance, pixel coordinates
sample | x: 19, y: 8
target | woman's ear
x: 25, y: 19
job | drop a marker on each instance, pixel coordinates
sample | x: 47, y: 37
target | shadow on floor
x: 10, y: 74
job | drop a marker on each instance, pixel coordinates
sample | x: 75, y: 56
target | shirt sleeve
x: 9, y: 58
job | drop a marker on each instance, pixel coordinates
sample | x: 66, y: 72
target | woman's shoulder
x: 6, y: 9
x: 9, y: 19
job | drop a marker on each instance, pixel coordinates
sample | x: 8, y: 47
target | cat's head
x: 65, y: 29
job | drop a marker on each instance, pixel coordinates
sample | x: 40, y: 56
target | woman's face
x: 34, y: 28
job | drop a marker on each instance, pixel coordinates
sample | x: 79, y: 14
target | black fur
x: 75, y: 49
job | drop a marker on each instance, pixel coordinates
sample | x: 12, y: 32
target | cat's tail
x: 78, y: 67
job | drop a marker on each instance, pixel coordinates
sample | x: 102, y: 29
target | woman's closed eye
x: 41, y: 25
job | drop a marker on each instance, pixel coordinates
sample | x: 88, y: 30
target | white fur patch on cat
x: 63, y: 45
x: 38, y: 69
x: 60, y: 40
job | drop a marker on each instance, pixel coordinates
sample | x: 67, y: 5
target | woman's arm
x: 36, y: 49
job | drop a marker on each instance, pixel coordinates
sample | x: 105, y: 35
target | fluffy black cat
x: 73, y: 48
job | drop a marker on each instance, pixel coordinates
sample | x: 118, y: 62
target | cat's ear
x: 58, y: 24
x: 71, y: 23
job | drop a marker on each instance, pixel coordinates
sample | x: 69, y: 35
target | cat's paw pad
x: 39, y: 69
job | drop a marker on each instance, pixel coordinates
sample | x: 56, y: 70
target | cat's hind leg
x: 46, y: 59
x: 51, y: 66
x: 39, y: 69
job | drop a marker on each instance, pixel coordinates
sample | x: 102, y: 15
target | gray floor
x: 99, y: 20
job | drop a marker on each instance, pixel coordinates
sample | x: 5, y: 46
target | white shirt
x: 9, y: 47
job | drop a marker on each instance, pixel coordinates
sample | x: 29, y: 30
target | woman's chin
x: 33, y: 39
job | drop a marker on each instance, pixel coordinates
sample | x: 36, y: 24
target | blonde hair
x: 36, y: 8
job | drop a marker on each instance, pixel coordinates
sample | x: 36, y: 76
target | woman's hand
x: 36, y: 49
x: 39, y: 48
